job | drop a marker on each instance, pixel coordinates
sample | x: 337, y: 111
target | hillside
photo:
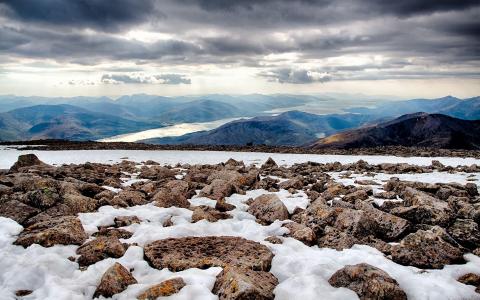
x: 287, y: 129
x: 420, y: 130
x: 64, y: 122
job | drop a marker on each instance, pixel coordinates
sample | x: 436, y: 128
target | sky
x: 406, y: 48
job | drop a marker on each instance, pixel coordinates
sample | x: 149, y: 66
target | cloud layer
x: 283, y: 41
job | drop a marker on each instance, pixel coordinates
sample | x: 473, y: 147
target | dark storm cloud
x: 98, y: 14
x: 244, y: 33
x: 142, y: 79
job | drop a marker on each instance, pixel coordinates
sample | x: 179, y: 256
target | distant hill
x: 468, y: 109
x: 420, y: 129
x: 64, y: 122
x: 288, y: 129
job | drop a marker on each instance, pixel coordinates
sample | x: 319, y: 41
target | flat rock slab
x: 164, y: 289
x: 66, y: 230
x: 178, y: 254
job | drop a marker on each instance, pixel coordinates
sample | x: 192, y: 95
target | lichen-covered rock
x: 267, y: 208
x: 354, y: 196
x: 67, y: 230
x: 471, y: 279
x: 218, y: 189
x: 179, y: 254
x: 26, y: 160
x: 163, y: 289
x: 239, y: 283
x: 122, y: 221
x: 118, y: 233
x: 156, y: 173
x: 466, y: 233
x: 130, y: 197
x: 428, y: 249
x: 115, y: 280
x: 174, y: 193
x: 99, y: 249
x: 42, y: 198
x: 301, y: 232
x: 17, y: 211
x: 368, y: 282
x: 204, y: 212
x: 294, y: 183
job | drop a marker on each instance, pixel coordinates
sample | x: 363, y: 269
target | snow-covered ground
x: 9, y: 155
x: 302, y: 271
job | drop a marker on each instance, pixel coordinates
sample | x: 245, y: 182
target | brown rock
x: 204, y: 212
x: 204, y: 252
x: 466, y: 233
x: 17, y: 211
x: 115, y: 280
x: 267, y: 208
x: 164, y: 289
x: 218, y: 189
x: 123, y: 221
x: 294, y: 183
x: 428, y: 249
x: 114, y: 232
x: 270, y: 163
x: 174, y: 193
x: 274, y: 240
x: 42, y: 198
x: 222, y: 205
x: 156, y: 173
x: 239, y: 283
x: 131, y: 198
x: 26, y: 160
x: 65, y: 230
x: 471, y: 279
x: 22, y: 293
x: 99, y: 249
x: 354, y: 196
x: 301, y: 232
x: 368, y: 282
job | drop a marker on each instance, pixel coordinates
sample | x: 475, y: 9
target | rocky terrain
x: 60, y: 145
x: 233, y: 231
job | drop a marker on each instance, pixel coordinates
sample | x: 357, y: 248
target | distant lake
x: 173, y: 130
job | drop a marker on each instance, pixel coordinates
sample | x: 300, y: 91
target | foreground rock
x: 368, y: 282
x: 67, y: 230
x: 115, y: 280
x: 268, y: 208
x: 179, y: 254
x: 204, y: 212
x: 237, y: 283
x: 471, y: 279
x: 164, y: 289
x: 428, y: 249
x: 99, y: 249
x: 17, y: 211
x: 26, y: 160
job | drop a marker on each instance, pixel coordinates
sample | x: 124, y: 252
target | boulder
x: 58, y: 210
x: 130, y: 197
x: 427, y: 249
x: 114, y: 232
x: 204, y: 212
x: 267, y: 208
x: 156, y: 173
x: 26, y: 160
x: 17, y: 211
x: 99, y: 249
x: 270, y: 163
x: 218, y: 189
x: 235, y: 283
x: 179, y: 254
x: 466, y: 233
x: 354, y: 196
x: 294, y: 183
x: 223, y: 206
x: 42, y: 198
x: 115, y: 280
x: 168, y: 198
x: 368, y: 282
x: 163, y: 289
x: 66, y: 230
x: 301, y: 232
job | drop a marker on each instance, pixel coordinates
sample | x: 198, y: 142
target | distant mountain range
x: 93, y: 118
x: 420, y: 130
x: 292, y: 128
x: 64, y: 122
